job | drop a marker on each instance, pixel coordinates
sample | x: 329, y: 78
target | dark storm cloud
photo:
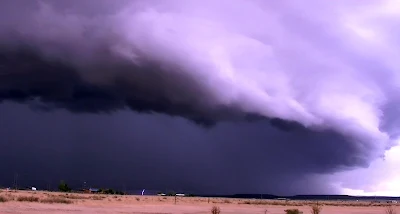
x: 58, y: 85
x: 157, y: 152
x: 286, y: 97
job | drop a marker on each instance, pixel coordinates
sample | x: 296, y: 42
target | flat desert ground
x: 55, y: 202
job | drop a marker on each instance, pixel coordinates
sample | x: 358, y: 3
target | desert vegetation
x: 53, y: 200
x: 215, y: 210
x: 28, y: 198
x: 50, y: 199
x: 293, y: 211
x: 84, y: 202
x: 3, y: 199
x: 390, y: 210
x: 63, y: 187
x: 316, y: 208
x: 73, y: 196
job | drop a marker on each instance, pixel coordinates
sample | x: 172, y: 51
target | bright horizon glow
x: 386, y: 172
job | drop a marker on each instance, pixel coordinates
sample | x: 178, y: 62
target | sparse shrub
x: 293, y: 211
x: 28, y: 198
x: 390, y: 210
x: 215, y: 210
x: 226, y: 201
x: 316, y: 209
x: 96, y: 197
x: 72, y: 196
x: 56, y: 200
x: 263, y: 202
x: 3, y: 199
x: 137, y: 199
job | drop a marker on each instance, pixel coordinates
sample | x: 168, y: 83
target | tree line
x: 63, y: 187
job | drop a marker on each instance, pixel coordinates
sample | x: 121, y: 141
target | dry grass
x: 215, y: 210
x: 90, y: 203
x: 307, y: 206
x: 271, y: 202
x: 390, y: 210
x: 28, y: 198
x: 293, y: 211
x: 56, y: 200
x: 299, y: 203
x: 226, y: 201
x: 71, y: 196
x: 3, y: 199
x: 97, y: 197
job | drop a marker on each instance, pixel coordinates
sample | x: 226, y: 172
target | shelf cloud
x: 275, y: 91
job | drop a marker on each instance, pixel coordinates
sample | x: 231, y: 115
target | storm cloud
x: 288, y: 92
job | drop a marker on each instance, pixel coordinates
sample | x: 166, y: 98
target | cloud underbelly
x: 206, y: 66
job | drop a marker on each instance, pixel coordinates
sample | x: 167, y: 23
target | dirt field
x: 48, y: 202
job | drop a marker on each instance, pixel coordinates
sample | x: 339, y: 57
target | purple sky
x: 187, y: 87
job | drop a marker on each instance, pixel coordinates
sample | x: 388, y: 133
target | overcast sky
x: 205, y: 96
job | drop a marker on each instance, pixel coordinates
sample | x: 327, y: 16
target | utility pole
x: 49, y: 185
x: 16, y: 181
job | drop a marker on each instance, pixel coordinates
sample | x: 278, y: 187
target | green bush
x: 109, y: 191
x: 63, y: 187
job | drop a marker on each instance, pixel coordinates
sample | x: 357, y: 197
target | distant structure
x: 139, y: 192
x: 283, y: 199
x: 94, y: 190
x: 33, y: 188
